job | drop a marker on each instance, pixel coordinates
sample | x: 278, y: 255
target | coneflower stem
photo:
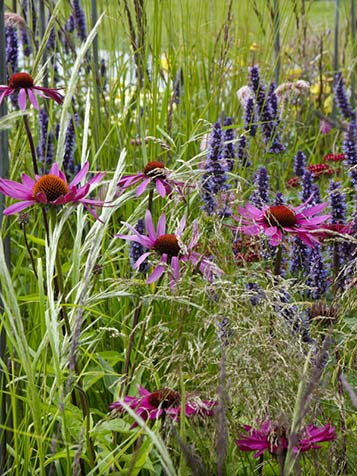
x: 32, y: 144
x: 136, y: 317
x: 151, y: 196
x: 277, y: 262
x: 23, y: 226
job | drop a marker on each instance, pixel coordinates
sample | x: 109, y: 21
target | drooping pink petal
x: 149, y: 225
x: 18, y: 207
x: 22, y: 99
x: 161, y: 225
x: 175, y: 266
x: 143, y: 240
x: 80, y: 175
x: 160, y: 188
x: 156, y: 274
x: 141, y: 259
x: 33, y: 99
x: 142, y: 187
x: 313, y: 210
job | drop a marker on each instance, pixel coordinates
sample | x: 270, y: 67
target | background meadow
x: 269, y: 335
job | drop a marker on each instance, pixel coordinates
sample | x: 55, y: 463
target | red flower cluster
x: 293, y: 182
x: 334, y: 157
x: 320, y: 169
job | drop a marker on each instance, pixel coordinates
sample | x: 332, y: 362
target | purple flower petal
x: 33, y: 99
x: 149, y: 225
x: 142, y: 187
x: 18, y: 207
x: 80, y: 175
x: 22, y: 99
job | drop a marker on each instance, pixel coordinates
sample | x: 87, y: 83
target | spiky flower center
x: 20, y: 80
x: 167, y: 244
x: 51, y: 185
x: 154, y: 169
x: 278, y: 437
x: 280, y: 215
x: 164, y: 398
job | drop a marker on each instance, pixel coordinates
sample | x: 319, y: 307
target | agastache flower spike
x: 80, y: 19
x: 260, y: 196
x: 228, y: 150
x: 350, y: 150
x: 341, y: 98
x: 23, y: 85
x: 299, y: 163
x: 45, y: 149
x: 317, y: 274
x: 11, y: 48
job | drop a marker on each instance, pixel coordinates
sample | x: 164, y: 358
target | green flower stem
x: 58, y: 279
x: 32, y: 144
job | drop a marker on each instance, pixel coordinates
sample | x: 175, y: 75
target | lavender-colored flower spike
x: 250, y: 117
x: 228, y: 149
x: 300, y: 256
x: 80, y: 19
x: 214, y: 179
x: 338, y: 202
x: 307, y: 184
x: 279, y: 199
x: 341, y: 98
x: 316, y: 193
x: 12, y: 48
x: 70, y: 143
x: 317, y: 274
x: 45, y: 149
x: 242, y: 153
x: 136, y: 250
x: 350, y: 150
x: 25, y: 40
x: 260, y: 196
x: 299, y: 163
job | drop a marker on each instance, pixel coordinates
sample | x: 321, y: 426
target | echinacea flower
x: 164, y: 402
x: 278, y: 220
x: 153, y: 172
x: 274, y: 438
x: 50, y: 189
x: 170, y: 248
x: 23, y: 85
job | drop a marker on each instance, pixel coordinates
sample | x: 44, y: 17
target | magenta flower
x: 170, y: 248
x: 278, y: 220
x: 164, y: 402
x: 50, y: 189
x: 274, y: 438
x: 153, y: 172
x: 23, y: 84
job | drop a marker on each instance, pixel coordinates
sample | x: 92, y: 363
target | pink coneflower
x: 23, y: 84
x: 170, y: 248
x: 164, y: 402
x: 153, y: 172
x: 274, y: 438
x: 50, y: 189
x: 277, y: 220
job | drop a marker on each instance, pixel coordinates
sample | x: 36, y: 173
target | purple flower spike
x: 12, y: 48
x: 23, y: 85
x: 350, y: 150
x: 299, y: 163
x: 169, y: 248
x: 341, y: 98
